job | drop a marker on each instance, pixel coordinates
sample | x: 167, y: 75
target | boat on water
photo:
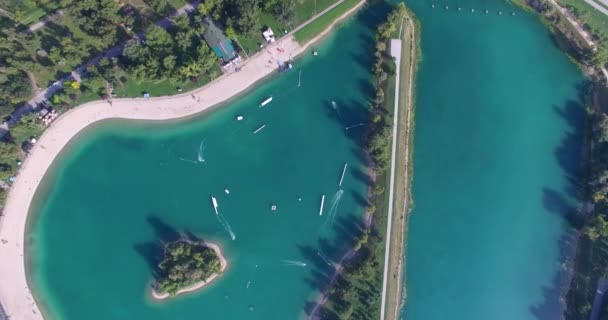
x: 265, y: 102
x: 214, y: 201
x: 239, y: 118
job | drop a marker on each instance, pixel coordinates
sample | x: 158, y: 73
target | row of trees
x: 384, y: 66
x: 98, y: 18
x: 178, y: 53
x: 592, y: 250
x: 185, y: 263
x: 356, y: 292
x: 243, y: 16
x: 15, y: 85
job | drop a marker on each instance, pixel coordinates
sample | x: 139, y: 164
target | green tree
x: 97, y: 17
x: 600, y: 56
x: 185, y: 263
x: 246, y: 20
x: 598, y: 228
x: 602, y: 136
x: 285, y: 11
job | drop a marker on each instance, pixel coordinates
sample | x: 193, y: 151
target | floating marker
x: 322, y: 203
x: 343, y: 172
x: 259, y: 129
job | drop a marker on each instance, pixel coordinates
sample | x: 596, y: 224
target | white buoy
x: 239, y: 118
x: 227, y: 191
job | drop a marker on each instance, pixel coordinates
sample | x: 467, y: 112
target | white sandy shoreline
x: 15, y: 295
x: 198, y: 285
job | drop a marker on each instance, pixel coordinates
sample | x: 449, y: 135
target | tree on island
x: 185, y: 263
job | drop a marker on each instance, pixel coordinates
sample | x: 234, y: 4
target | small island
x: 187, y: 266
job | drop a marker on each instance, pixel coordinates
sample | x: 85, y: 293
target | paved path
x: 599, y: 7
x: 44, y: 21
x: 77, y: 73
x: 395, y: 53
x: 581, y: 31
x: 574, y: 23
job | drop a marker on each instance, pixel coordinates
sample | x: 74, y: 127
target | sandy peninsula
x: 198, y: 285
x: 15, y: 295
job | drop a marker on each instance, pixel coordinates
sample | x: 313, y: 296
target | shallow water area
x: 125, y: 186
x: 496, y: 151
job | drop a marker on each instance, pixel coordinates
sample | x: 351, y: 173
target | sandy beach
x: 15, y: 294
x: 198, y: 285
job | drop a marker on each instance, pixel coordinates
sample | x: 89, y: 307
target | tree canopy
x: 185, y: 263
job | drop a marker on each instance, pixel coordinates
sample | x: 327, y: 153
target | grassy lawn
x: 252, y: 44
x: 133, y: 88
x: 308, y: 8
x: 594, y: 20
x: 314, y: 28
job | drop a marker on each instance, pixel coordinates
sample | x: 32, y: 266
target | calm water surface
x: 123, y: 186
x: 497, y: 141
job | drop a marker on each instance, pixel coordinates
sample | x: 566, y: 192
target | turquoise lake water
x: 497, y: 143
x: 124, y: 186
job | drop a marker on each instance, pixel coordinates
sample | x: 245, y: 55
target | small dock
x: 265, y: 102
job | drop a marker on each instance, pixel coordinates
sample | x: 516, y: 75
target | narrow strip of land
x: 15, y: 294
x: 394, y: 251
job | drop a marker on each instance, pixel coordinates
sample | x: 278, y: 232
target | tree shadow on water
x: 565, y: 203
x: 552, y: 306
x: 325, y: 256
x: 152, y: 251
x: 568, y: 153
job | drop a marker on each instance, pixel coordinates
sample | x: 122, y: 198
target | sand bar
x: 15, y: 294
